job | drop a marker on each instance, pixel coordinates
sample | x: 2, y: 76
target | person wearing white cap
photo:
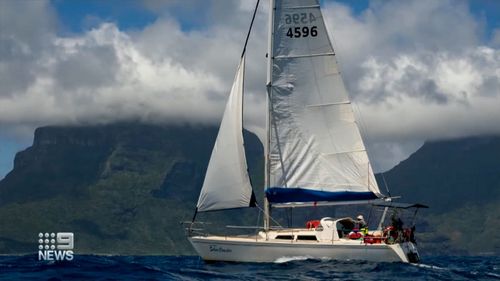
x: 359, y: 229
x: 360, y: 222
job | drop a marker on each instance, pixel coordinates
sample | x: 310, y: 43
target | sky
x: 416, y: 70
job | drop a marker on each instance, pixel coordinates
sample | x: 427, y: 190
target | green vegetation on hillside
x: 122, y: 189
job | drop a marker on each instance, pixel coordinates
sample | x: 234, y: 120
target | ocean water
x: 88, y: 267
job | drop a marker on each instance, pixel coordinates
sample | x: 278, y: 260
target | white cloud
x: 417, y: 69
x: 157, y: 74
x: 102, y: 76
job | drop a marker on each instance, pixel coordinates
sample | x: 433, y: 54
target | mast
x: 268, y: 111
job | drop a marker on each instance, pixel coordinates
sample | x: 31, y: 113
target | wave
x: 294, y: 258
x: 427, y: 266
x: 293, y: 267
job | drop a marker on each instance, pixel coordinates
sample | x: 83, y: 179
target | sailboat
x: 314, y: 155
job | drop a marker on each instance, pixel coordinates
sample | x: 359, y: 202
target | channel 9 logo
x: 56, y: 246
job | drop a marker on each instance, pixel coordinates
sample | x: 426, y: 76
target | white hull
x: 258, y: 249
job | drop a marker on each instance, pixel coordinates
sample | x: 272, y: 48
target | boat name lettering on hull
x: 214, y: 248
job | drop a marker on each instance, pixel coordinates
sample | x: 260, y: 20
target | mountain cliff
x: 450, y: 174
x: 121, y: 188
x: 460, y: 180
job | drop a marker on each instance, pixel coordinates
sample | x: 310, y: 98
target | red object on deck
x: 368, y: 239
x: 312, y: 224
x: 355, y: 235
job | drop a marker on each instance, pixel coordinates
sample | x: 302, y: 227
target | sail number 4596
x: 301, y: 31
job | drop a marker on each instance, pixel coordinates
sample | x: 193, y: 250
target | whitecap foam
x: 427, y: 266
x: 293, y: 258
x: 491, y: 274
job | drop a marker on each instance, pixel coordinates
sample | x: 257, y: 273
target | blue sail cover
x: 286, y: 195
x: 316, y: 152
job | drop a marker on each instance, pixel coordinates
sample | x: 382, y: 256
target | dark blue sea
x: 85, y: 267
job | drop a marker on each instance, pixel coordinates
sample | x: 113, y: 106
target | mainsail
x: 226, y: 184
x: 315, y: 149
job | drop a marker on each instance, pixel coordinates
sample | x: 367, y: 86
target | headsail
x: 316, y: 150
x: 226, y: 184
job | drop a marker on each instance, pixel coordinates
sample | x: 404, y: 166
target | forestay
x: 316, y: 150
x: 226, y: 184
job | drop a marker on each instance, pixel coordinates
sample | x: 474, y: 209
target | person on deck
x: 360, y: 222
x: 359, y: 229
x: 396, y: 222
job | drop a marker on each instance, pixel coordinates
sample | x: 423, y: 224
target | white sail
x: 316, y: 150
x: 226, y: 183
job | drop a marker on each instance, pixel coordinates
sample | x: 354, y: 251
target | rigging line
x: 195, y: 213
x: 287, y: 218
x: 364, y: 135
x: 275, y: 221
x: 385, y: 184
x: 364, y: 128
x: 250, y: 28
x: 194, y: 218
x: 369, y: 216
x: 252, y: 200
x: 258, y: 218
